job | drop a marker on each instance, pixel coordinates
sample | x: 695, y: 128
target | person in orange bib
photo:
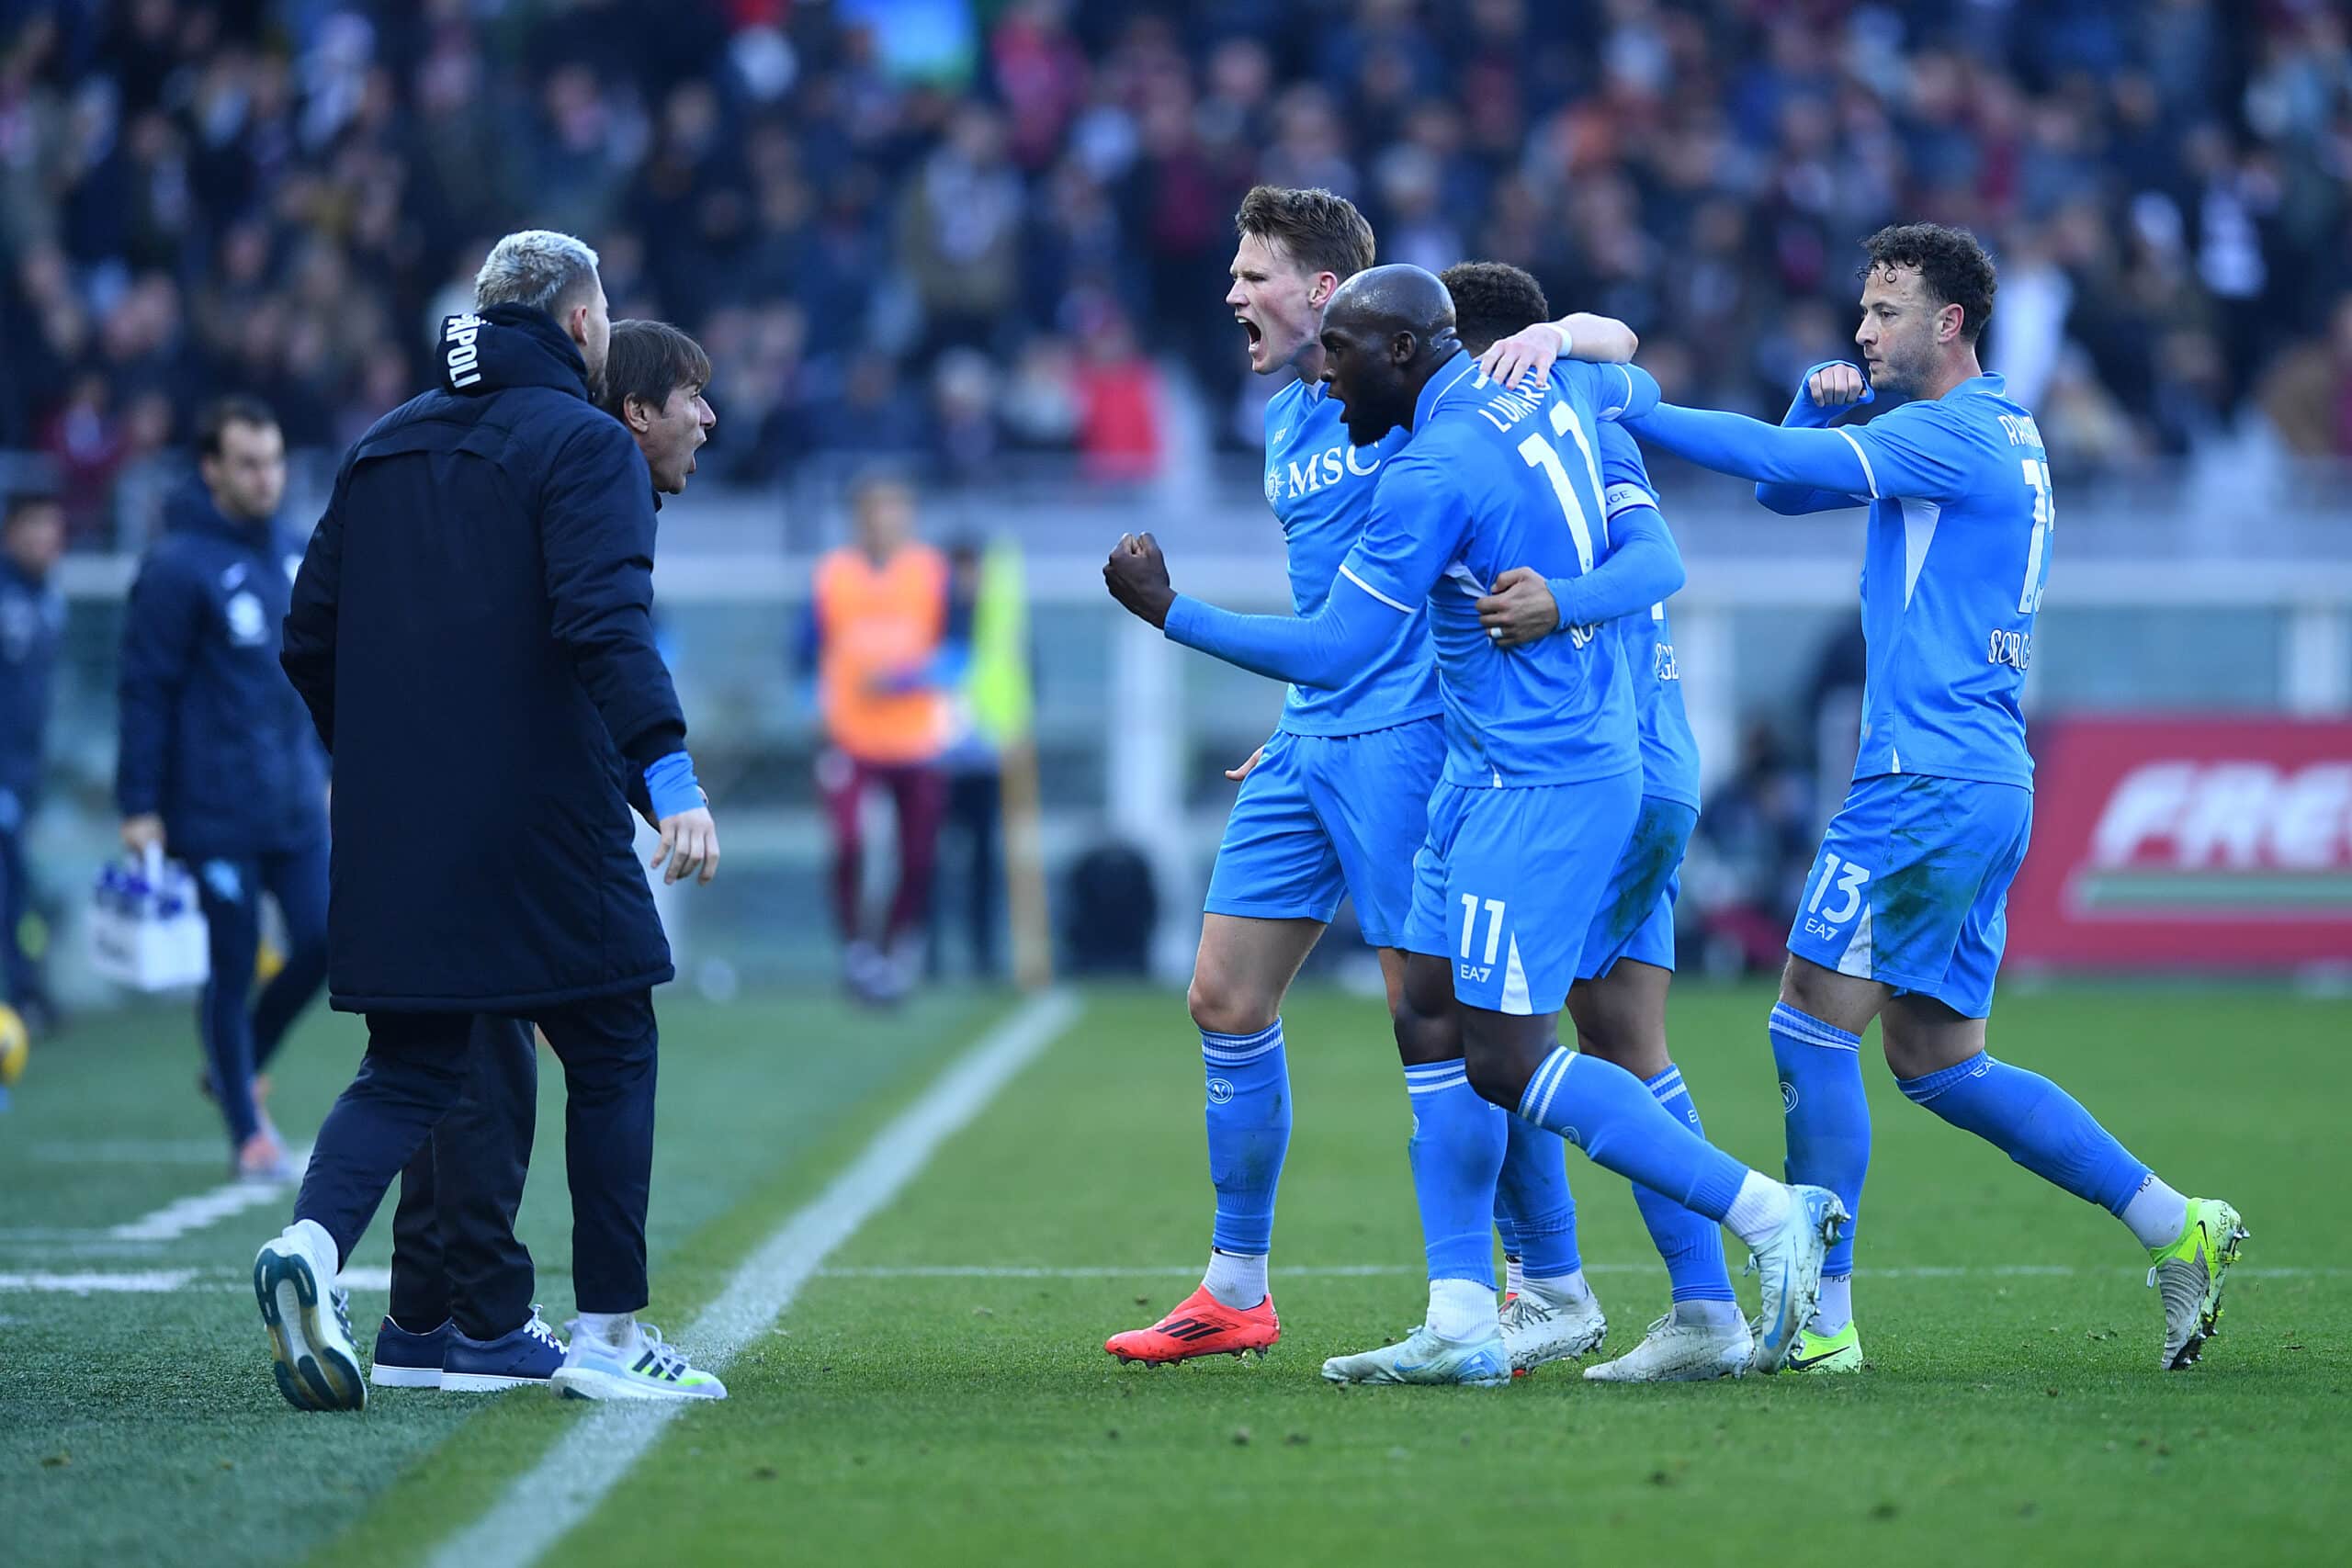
x: 879, y: 621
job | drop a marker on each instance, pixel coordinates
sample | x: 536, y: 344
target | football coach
x: 472, y: 631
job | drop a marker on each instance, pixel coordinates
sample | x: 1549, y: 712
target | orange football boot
x: 1201, y: 1326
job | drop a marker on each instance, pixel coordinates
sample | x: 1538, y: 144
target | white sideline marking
x: 540, y: 1507
x: 148, y: 1282
x: 182, y: 1215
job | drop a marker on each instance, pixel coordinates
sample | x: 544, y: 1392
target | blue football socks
x: 1457, y: 1155
x: 1691, y: 1245
x: 1827, y: 1116
x: 1604, y: 1110
x: 2035, y: 1123
x: 1249, y: 1125
x: 1533, y: 1207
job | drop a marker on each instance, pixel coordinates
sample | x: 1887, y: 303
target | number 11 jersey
x: 1494, y: 479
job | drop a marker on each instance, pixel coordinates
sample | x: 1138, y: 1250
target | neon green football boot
x: 1838, y: 1352
x: 2191, y: 1273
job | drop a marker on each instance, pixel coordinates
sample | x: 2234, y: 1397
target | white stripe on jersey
x: 1869, y: 478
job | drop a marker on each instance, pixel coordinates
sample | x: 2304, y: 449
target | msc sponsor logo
x: 1318, y: 470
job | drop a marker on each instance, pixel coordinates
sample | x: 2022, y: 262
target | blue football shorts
x: 1636, y: 919
x: 1326, y: 816
x: 1509, y: 880
x: 1912, y: 884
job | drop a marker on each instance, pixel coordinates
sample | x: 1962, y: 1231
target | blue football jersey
x: 1645, y: 641
x: 1494, y: 478
x: 1320, y: 488
x: 1952, y: 574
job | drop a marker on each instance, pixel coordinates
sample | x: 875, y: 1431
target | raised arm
x: 1824, y: 393
x: 1321, y: 650
x: 1528, y: 354
x: 1734, y: 443
x: 1415, y: 525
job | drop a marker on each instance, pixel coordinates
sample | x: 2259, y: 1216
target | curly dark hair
x: 1492, y: 301
x: 1951, y: 263
x: 1317, y: 229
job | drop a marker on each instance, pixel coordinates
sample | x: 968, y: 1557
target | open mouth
x: 1257, y: 333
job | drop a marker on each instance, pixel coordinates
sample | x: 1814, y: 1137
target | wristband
x: 671, y: 787
x: 1567, y: 339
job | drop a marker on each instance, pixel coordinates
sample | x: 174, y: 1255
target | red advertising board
x: 2187, y: 844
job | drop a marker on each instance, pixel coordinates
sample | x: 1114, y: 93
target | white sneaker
x: 1680, y: 1350
x: 647, y: 1368
x: 1789, y: 1266
x: 308, y: 1319
x: 1537, y: 1331
x: 1425, y: 1358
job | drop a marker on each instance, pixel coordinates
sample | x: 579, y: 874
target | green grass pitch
x: 939, y: 1393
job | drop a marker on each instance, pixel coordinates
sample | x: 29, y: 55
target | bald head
x: 1385, y: 334
x: 1394, y: 299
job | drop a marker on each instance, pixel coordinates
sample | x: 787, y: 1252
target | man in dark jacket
x: 457, y: 1267
x: 472, y: 631
x: 32, y: 622
x: 217, y: 765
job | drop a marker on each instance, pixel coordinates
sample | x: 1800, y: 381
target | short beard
x: 1901, y: 375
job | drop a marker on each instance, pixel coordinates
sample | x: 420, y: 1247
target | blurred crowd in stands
x: 954, y: 229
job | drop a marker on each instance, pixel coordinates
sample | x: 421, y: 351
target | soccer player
x: 1335, y: 803
x: 1542, y: 787
x: 1905, y: 913
x: 1618, y: 1002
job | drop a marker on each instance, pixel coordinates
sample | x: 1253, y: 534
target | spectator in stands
x: 877, y: 626
x: 219, y: 765
x: 2308, y: 394
x: 32, y: 623
x: 992, y: 177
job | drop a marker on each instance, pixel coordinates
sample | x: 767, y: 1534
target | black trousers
x: 454, y: 1252
x: 416, y: 1071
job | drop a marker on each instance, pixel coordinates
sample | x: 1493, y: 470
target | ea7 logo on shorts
x: 1220, y: 1091
x: 1475, y: 974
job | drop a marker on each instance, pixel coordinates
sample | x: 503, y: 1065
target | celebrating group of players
x: 1485, y: 745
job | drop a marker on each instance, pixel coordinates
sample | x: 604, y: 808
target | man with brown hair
x: 1907, y: 906
x: 1335, y: 803
x: 654, y: 380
